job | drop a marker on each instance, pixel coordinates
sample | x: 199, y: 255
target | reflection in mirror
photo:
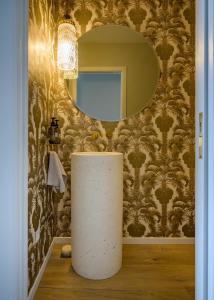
x: 118, y: 73
x: 101, y: 92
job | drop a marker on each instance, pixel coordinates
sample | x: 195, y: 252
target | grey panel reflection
x: 99, y: 94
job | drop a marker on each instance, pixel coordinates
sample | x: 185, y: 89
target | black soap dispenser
x: 57, y: 132
x: 54, y: 132
x: 51, y: 131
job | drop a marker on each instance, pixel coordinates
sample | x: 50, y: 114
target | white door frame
x: 13, y: 149
x: 205, y: 166
x: 210, y: 137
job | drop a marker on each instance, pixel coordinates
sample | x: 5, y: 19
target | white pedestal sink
x: 96, y: 195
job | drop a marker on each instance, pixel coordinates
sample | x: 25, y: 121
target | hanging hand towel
x: 56, y: 173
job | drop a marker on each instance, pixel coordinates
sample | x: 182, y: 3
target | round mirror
x: 118, y: 73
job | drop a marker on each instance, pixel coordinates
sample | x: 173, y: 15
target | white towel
x: 56, y: 173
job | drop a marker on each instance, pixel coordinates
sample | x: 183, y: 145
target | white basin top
x: 96, y: 153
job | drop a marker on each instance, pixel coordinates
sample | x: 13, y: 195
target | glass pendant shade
x: 67, y: 56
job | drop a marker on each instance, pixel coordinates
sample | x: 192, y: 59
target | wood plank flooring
x: 149, y: 272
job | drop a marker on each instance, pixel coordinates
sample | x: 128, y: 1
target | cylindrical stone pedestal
x: 96, y: 218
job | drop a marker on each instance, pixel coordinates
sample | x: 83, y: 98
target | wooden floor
x: 149, y: 272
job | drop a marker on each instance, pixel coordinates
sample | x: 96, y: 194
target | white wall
x: 201, y: 180
x: 205, y: 166
x: 13, y: 149
x: 210, y: 146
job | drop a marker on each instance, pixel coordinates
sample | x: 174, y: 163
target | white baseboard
x: 41, y: 271
x: 141, y: 240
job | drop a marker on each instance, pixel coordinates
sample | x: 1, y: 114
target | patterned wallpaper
x: 158, y: 143
x: 41, y: 93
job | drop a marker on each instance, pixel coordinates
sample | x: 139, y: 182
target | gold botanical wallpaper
x: 41, y: 93
x: 158, y: 142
